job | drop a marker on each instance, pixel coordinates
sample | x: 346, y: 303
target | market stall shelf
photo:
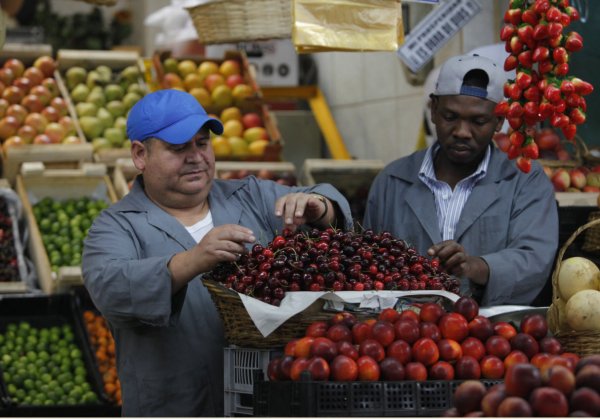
x: 88, y: 185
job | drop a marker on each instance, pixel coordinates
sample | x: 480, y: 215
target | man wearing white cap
x: 462, y: 201
x: 143, y: 256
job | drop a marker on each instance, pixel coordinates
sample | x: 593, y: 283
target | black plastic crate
x: 336, y: 399
x: 49, y: 311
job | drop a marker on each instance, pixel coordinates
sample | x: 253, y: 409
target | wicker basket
x: 591, y: 155
x: 591, y: 240
x: 581, y: 343
x: 221, y: 21
x: 240, y: 329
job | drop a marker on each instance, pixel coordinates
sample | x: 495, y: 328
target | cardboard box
x: 35, y: 183
x: 117, y: 61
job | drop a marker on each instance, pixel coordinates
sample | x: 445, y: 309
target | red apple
x: 430, y: 330
x: 383, y: 332
x: 473, y: 347
x: 8, y: 127
x: 318, y: 368
x: 514, y: 407
x: 492, y: 367
x: 561, y: 180
x: 431, y: 312
x: 361, y: 331
x: 37, y: 121
x: 425, y: 351
x: 481, y: 328
x: 550, y: 345
x: 344, y: 368
x: 415, y: 371
x: 391, y: 369
x: 441, y: 370
x: 548, y: 401
x: 560, y: 378
x: 400, y: 350
x: 348, y: 349
x: 298, y: 366
x: 407, y: 330
x: 323, y: 347
x: 467, y: 368
x: 46, y: 65
x: 368, y: 369
x: 16, y: 65
x: 233, y: 80
x: 468, y: 396
x: 32, y: 103
x: 498, y: 346
x: 525, y: 343
x: 521, y: 379
x: 251, y: 120
x: 578, y: 179
x: 34, y: 75
x: 450, y: 350
x: 454, y: 326
x: 389, y: 314
x: 317, y: 329
x: 504, y: 329
x: 18, y: 111
x: 587, y: 400
x: 274, y: 370
x: 466, y: 306
x: 373, y: 349
x: 42, y: 139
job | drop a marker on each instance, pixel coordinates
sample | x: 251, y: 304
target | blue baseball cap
x: 171, y: 115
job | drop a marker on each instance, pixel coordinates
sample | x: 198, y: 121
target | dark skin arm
x: 456, y: 261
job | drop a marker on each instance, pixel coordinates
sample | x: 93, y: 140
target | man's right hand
x: 224, y: 243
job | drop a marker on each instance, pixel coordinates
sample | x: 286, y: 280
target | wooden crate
x: 35, y: 183
x: 248, y: 72
x: 123, y: 173
x: 352, y: 178
x: 286, y: 171
x: 55, y: 156
x: 347, y: 174
x: 88, y: 59
x: 577, y: 199
x: 52, y: 154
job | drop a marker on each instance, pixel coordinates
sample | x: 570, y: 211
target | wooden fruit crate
x: 35, y: 183
x: 57, y: 155
x: 265, y: 170
x: 88, y: 59
x: 349, y: 175
x: 248, y: 72
x: 352, y: 178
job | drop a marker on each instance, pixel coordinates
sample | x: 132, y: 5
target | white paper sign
x: 432, y: 33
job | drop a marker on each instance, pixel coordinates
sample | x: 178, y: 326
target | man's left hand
x: 302, y: 208
x: 454, y: 258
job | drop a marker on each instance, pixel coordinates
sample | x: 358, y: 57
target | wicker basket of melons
x: 574, y: 315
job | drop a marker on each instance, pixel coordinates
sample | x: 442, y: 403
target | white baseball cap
x: 453, y: 71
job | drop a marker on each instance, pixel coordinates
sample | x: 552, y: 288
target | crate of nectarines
x: 395, y: 363
x: 407, y: 362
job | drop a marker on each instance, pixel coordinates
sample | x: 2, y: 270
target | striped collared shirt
x: 449, y: 204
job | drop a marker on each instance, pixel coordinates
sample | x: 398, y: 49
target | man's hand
x: 455, y: 260
x: 302, y: 208
x: 221, y: 244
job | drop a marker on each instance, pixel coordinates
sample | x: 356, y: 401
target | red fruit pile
x: 528, y: 391
x: 539, y: 51
x: 431, y: 344
x: 331, y: 260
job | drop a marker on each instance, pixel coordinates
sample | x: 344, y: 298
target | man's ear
x: 138, y: 154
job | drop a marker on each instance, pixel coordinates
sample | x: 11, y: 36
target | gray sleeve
x: 126, y: 286
x: 519, y: 272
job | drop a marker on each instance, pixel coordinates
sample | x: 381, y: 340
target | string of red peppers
x: 539, y: 51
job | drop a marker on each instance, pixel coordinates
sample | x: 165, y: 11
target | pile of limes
x: 44, y: 366
x: 64, y: 225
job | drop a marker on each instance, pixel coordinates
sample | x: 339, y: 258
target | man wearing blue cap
x: 143, y: 256
x: 463, y: 201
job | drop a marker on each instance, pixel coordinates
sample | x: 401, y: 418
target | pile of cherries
x: 331, y: 260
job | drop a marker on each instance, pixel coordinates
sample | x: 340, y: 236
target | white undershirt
x: 199, y: 230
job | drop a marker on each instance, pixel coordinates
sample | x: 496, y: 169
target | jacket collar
x: 422, y: 202
x: 224, y: 210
